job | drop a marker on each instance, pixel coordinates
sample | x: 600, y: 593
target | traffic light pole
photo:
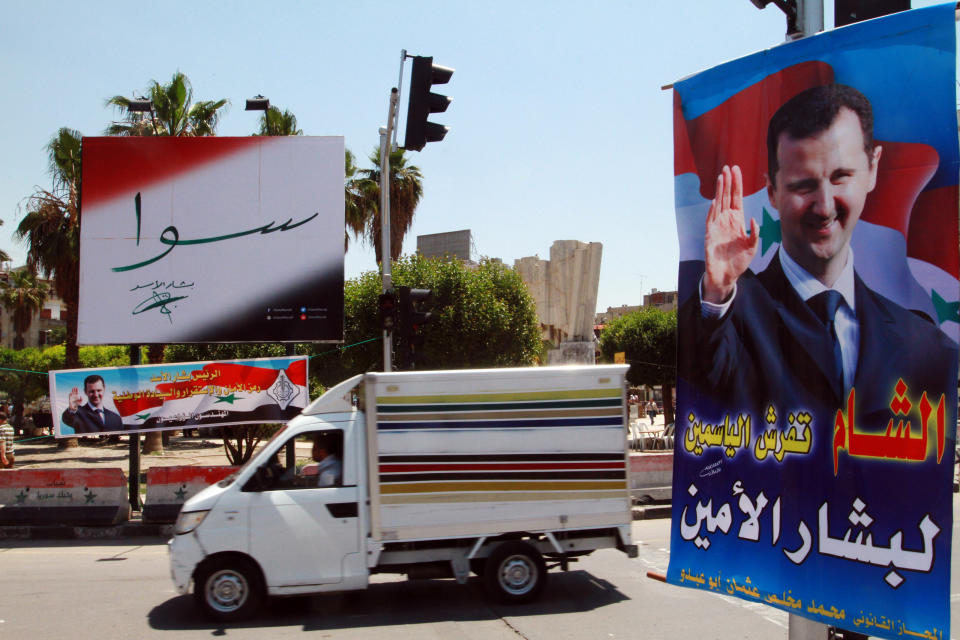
x: 810, y: 22
x: 385, y: 218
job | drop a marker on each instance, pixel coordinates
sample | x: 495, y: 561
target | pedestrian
x: 651, y: 409
x: 6, y: 442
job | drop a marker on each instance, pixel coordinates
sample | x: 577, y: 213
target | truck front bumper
x: 185, y: 555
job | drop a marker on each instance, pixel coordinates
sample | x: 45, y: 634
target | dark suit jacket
x: 85, y: 420
x: 771, y: 348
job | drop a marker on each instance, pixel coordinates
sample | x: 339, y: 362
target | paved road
x: 122, y: 589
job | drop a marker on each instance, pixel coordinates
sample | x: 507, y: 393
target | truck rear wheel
x: 515, y: 573
x: 228, y: 589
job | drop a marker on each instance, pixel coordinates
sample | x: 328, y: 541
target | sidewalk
x: 44, y: 453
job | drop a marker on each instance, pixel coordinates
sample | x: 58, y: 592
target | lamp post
x: 142, y: 105
x: 259, y: 103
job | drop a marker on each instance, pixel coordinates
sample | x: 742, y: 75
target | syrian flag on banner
x: 220, y: 393
x: 905, y: 244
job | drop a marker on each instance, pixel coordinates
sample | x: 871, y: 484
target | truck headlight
x: 188, y: 521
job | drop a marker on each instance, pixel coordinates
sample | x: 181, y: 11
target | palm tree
x: 406, y: 189
x: 174, y: 112
x: 274, y: 122
x: 355, y: 208
x: 51, y: 230
x: 22, y: 295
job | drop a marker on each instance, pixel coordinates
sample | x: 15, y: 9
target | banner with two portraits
x: 817, y: 208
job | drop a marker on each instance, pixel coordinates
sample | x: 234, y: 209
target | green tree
x: 174, y: 112
x: 274, y: 122
x: 4, y: 256
x: 354, y: 199
x: 22, y: 295
x: 51, y: 230
x: 21, y: 379
x: 481, y: 317
x: 23, y: 372
x: 406, y: 189
x: 648, y: 337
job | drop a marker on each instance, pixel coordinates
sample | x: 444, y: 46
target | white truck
x: 497, y: 471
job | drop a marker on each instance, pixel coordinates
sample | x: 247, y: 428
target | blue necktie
x: 825, y: 305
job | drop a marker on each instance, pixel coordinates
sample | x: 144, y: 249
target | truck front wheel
x: 515, y: 573
x: 228, y: 589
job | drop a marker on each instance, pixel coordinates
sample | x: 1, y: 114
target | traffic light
x: 388, y: 311
x: 411, y: 319
x: 422, y: 103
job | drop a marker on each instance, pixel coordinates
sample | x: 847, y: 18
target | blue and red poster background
x: 838, y: 510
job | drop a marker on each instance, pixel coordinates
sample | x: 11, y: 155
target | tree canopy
x: 274, y: 122
x: 481, y: 317
x: 51, y: 229
x: 22, y: 371
x: 406, y: 189
x: 174, y: 112
x: 22, y: 295
x: 648, y: 337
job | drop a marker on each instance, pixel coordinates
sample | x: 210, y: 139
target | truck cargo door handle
x: 343, y: 509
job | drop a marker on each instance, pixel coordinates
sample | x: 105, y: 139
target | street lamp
x: 142, y: 105
x: 257, y: 103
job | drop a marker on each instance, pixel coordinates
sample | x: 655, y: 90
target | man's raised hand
x: 727, y: 248
x: 74, y: 399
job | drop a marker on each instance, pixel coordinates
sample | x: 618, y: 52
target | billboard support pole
x: 134, y: 462
x: 385, y: 218
x: 809, y: 22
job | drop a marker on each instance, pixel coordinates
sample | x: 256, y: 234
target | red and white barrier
x: 651, y: 475
x: 169, y: 487
x: 63, y: 496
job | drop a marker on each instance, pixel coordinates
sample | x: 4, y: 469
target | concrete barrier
x: 169, y: 487
x: 651, y: 475
x: 63, y: 496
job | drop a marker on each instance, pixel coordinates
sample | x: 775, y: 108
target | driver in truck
x: 324, y: 452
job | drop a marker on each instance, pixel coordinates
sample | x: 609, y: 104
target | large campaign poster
x: 816, y: 202
x: 159, y: 397
x: 211, y: 239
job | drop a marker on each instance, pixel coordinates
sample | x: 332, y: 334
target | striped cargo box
x: 483, y: 452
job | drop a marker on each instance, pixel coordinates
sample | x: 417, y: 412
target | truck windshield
x: 279, y: 434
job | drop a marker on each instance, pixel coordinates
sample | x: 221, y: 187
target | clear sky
x: 559, y: 128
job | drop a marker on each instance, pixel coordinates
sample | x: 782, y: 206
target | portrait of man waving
x: 91, y: 417
x: 806, y: 329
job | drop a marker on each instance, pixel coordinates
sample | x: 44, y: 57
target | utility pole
x: 385, y: 148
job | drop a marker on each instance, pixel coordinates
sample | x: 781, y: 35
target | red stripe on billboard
x: 218, y: 374
x: 933, y: 229
x: 114, y: 166
x: 683, y: 160
x: 729, y: 135
x: 903, y: 171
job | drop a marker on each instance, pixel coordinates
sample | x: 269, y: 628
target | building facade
x: 51, y: 316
